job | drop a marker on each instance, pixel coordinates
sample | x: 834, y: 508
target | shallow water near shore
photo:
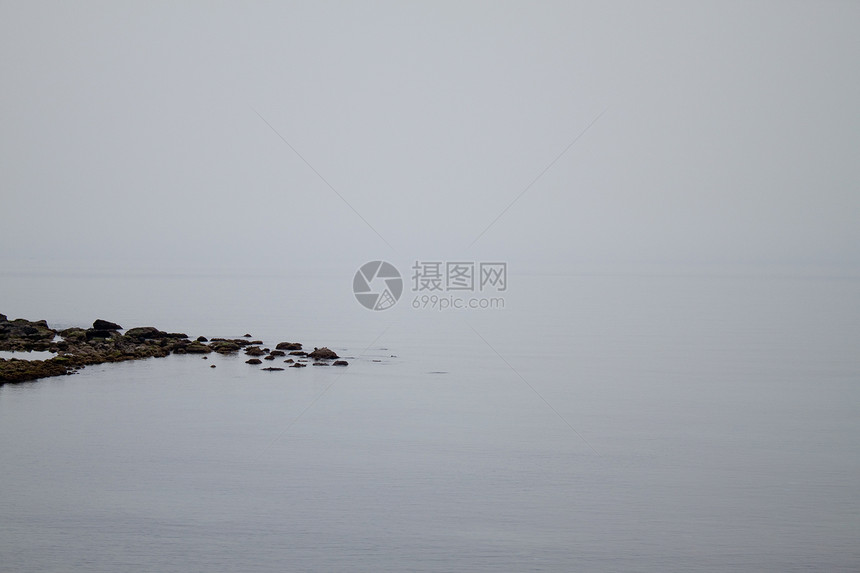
x: 600, y: 422
x: 32, y: 355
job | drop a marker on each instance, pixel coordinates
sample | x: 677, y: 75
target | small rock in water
x: 323, y: 353
x: 341, y: 363
x: 202, y: 339
x: 289, y: 361
x: 212, y: 366
x: 205, y: 358
x: 298, y: 365
x: 289, y: 346
x: 271, y: 369
x: 247, y: 335
x: 269, y: 357
x: 254, y: 361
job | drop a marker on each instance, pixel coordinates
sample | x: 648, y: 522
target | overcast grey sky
x: 130, y: 132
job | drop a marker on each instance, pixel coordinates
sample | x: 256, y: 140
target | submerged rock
x: 253, y: 361
x: 341, y: 363
x: 289, y: 346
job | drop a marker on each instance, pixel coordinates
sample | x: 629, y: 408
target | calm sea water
x: 601, y: 422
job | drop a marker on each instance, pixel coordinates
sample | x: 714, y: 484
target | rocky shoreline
x: 76, y: 348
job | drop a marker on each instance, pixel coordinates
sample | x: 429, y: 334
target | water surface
x: 626, y: 422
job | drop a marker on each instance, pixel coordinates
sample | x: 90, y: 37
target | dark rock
x: 341, y: 363
x: 289, y: 346
x: 323, y: 353
x: 247, y: 335
x: 224, y: 346
x: 96, y: 333
x: 23, y: 370
x: 205, y: 358
x: 100, y: 324
x: 25, y: 331
x: 79, y: 348
x: 272, y: 369
x: 197, y: 348
x: 73, y: 333
x: 236, y: 341
x: 145, y: 333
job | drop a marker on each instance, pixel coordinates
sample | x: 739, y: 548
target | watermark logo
x: 438, y: 285
x: 377, y: 285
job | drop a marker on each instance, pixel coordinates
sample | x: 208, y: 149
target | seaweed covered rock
x: 24, y: 331
x: 197, y: 348
x: 24, y: 370
x: 224, y: 346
